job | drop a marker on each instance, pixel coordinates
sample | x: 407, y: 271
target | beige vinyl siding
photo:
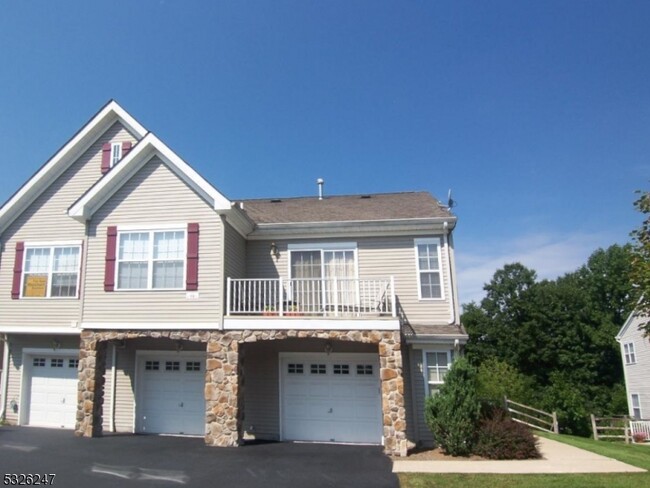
x: 46, y: 220
x: 234, y: 255
x: 262, y: 383
x: 155, y: 195
x: 378, y: 257
x: 637, y: 375
x: 17, y: 343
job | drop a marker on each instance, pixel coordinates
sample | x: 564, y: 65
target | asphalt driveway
x: 152, y: 461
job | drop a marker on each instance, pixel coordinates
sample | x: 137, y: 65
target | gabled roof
x: 631, y: 319
x: 348, y: 208
x: 139, y: 155
x: 64, y: 157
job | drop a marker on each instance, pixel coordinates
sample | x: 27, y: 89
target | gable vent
x: 276, y: 200
x: 366, y: 196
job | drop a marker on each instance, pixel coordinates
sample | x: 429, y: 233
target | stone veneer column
x: 392, y: 394
x: 224, y: 390
x: 90, y: 392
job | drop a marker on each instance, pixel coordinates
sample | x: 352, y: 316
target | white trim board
x: 280, y: 323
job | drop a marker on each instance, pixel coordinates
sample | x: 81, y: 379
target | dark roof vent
x: 366, y: 196
x: 276, y: 200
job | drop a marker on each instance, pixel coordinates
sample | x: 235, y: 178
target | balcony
x: 313, y: 300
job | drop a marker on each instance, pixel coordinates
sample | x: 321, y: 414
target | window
x: 295, y: 368
x: 172, y: 366
x: 323, y: 275
x: 193, y: 366
x: 116, y: 153
x: 364, y: 369
x: 436, y: 366
x: 56, y: 363
x: 51, y: 271
x: 318, y: 369
x: 151, y: 260
x: 151, y: 366
x: 341, y: 369
x: 630, y: 356
x: 39, y: 362
x: 636, y: 406
x: 73, y: 363
x: 427, y: 254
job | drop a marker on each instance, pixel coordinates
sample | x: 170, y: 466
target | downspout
x: 111, y: 421
x: 451, y: 265
x: 5, y: 374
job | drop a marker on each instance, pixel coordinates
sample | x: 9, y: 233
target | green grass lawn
x: 630, y: 454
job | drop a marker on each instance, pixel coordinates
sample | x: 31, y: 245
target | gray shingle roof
x: 376, y: 206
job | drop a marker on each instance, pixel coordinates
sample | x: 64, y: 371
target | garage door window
x: 172, y: 366
x: 73, y: 363
x: 151, y: 366
x: 364, y: 369
x: 294, y: 368
x: 318, y: 369
x: 39, y: 362
x: 56, y: 363
x: 193, y: 366
x: 341, y: 369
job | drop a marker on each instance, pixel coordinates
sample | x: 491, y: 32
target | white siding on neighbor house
x: 155, y: 195
x: 17, y: 343
x: 46, y: 220
x: 262, y: 384
x: 378, y: 257
x: 637, y: 375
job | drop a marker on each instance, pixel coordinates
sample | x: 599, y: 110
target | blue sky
x: 536, y: 114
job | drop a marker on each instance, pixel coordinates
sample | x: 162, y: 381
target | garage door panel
x: 52, y: 384
x: 331, y: 398
x: 171, y: 394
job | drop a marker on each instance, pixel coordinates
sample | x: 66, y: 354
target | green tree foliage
x: 497, y: 379
x: 641, y: 260
x: 453, y: 413
x: 558, y: 333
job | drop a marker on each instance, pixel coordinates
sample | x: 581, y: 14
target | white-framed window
x: 435, y: 365
x: 636, y: 406
x: 151, y: 259
x: 116, y: 153
x: 51, y: 270
x: 630, y: 355
x: 324, y: 274
x: 428, y: 260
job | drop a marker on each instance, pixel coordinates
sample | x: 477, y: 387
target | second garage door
x: 170, y: 398
x: 331, y: 398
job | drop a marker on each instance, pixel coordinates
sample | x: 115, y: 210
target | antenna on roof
x: 450, y: 201
x: 320, y: 182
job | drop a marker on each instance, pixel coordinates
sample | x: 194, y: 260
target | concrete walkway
x: 557, y: 458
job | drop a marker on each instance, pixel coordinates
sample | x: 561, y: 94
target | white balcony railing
x: 344, y: 297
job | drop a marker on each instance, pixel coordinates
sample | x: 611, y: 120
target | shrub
x: 640, y: 437
x: 497, y: 379
x: 500, y: 437
x: 453, y: 413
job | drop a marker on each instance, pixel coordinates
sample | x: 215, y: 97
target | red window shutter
x: 18, y: 270
x: 111, y: 247
x: 106, y: 157
x: 192, y: 275
x: 126, y: 147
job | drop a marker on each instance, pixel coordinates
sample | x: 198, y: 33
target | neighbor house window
x: 116, y: 153
x: 636, y: 406
x: 630, y: 356
x: 149, y: 260
x: 428, y: 260
x: 436, y: 365
x: 51, y: 271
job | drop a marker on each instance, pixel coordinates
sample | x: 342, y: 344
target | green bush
x: 453, y: 413
x: 500, y: 437
x: 497, y: 379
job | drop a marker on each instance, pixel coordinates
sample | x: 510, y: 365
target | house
x: 635, y: 354
x: 135, y: 297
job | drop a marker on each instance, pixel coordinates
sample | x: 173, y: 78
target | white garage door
x: 170, y: 393
x: 333, y: 397
x: 52, y: 390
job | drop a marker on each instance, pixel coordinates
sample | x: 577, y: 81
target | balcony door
x: 324, y: 279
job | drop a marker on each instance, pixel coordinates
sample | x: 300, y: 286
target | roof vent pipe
x: 320, y: 182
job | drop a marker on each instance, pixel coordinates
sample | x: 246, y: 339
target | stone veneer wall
x: 224, y: 378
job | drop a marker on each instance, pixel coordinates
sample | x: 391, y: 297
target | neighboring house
x: 635, y: 354
x: 134, y: 297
